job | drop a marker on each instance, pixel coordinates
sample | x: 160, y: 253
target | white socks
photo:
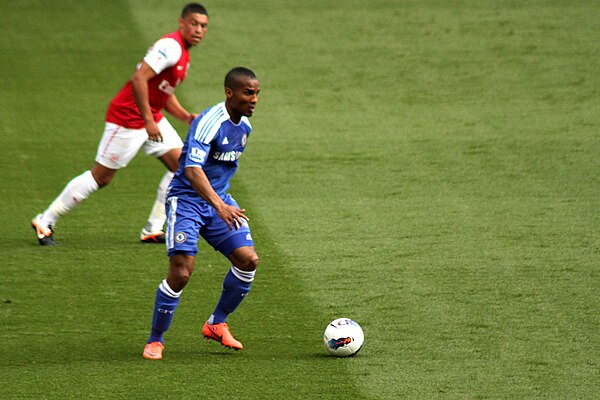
x: 157, y: 218
x: 76, y: 191
x: 82, y: 187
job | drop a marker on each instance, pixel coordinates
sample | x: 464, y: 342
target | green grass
x: 429, y: 169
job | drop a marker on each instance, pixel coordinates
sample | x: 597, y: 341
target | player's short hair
x: 233, y: 77
x: 193, y: 8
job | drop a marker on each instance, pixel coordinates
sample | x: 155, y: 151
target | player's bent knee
x: 102, y: 175
x: 178, y: 279
x: 244, y: 258
x: 249, y: 263
x: 102, y: 180
x: 181, y: 282
x: 253, y: 263
x: 180, y: 271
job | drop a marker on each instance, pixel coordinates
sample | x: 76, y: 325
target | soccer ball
x: 343, y: 337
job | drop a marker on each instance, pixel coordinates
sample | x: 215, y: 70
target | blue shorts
x: 188, y: 219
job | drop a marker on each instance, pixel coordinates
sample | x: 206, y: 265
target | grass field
x: 427, y: 168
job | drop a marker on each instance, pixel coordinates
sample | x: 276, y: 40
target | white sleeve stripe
x: 204, y: 121
x: 217, y: 118
x: 210, y: 124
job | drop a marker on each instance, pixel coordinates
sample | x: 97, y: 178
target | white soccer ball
x: 343, y: 337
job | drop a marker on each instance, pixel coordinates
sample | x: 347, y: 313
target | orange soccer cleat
x: 153, y: 351
x: 220, y: 333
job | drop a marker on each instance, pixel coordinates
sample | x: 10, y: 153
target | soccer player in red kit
x: 134, y: 121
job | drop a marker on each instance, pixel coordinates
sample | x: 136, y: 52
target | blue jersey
x: 215, y: 144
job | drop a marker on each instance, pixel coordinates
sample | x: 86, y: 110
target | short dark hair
x: 193, y: 8
x: 233, y: 77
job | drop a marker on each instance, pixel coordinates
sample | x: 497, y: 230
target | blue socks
x: 235, y: 287
x: 164, y: 308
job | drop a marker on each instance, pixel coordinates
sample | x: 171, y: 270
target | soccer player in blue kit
x: 198, y: 205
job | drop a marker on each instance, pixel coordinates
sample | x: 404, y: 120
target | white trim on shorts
x: 119, y: 145
x: 171, y: 218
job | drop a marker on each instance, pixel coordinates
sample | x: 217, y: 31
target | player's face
x: 193, y: 28
x: 242, y: 100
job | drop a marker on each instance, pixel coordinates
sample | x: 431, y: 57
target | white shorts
x: 119, y: 145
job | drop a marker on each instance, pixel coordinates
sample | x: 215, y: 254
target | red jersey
x: 170, y: 60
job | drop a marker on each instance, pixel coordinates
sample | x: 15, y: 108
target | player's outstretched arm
x: 175, y: 109
x: 232, y: 215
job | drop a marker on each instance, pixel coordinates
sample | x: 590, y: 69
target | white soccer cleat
x: 152, y: 237
x: 44, y: 233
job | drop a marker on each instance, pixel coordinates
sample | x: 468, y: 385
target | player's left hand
x: 153, y: 132
x: 192, y: 118
x: 233, y: 216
